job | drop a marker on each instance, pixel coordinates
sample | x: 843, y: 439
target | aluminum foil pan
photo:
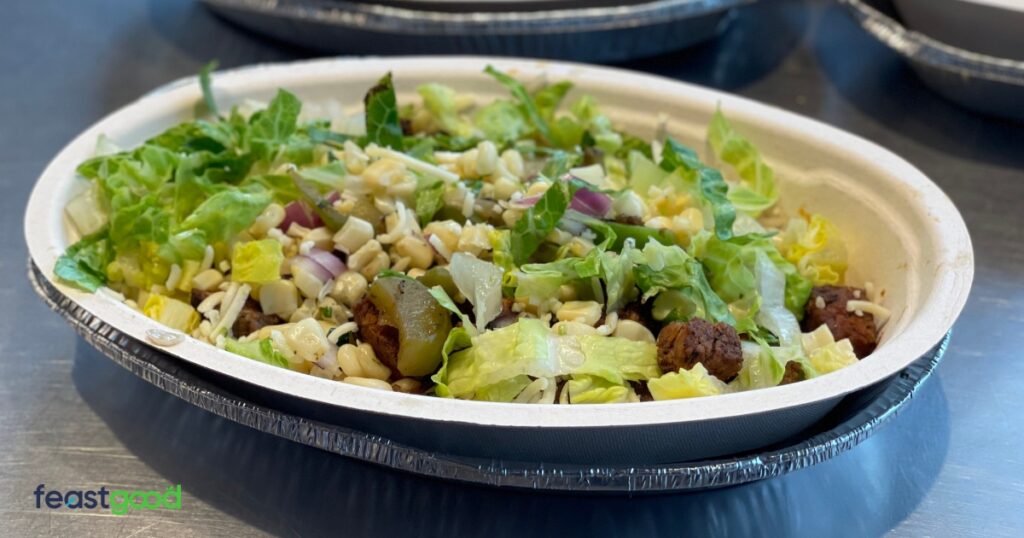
x: 593, y: 33
x: 855, y: 419
x: 983, y: 83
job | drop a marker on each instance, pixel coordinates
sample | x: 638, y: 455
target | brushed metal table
x: 951, y: 465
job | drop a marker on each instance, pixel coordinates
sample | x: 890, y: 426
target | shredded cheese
x: 412, y: 163
x: 207, y: 258
x: 880, y: 313
x: 231, y: 313
x: 210, y: 302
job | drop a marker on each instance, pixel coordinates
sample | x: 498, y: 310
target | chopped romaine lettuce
x: 171, y: 312
x: 260, y: 350
x: 529, y: 348
x: 480, y: 282
x: 382, y: 124
x: 206, y: 86
x: 439, y: 100
x: 691, y: 383
x: 757, y: 190
x: 704, y: 182
x: 526, y: 102
x: 429, y: 199
x: 84, y: 264
x: 586, y: 389
x: 501, y: 121
x: 825, y: 353
x: 257, y: 262
x: 814, y: 246
x: 538, y: 221
x: 731, y: 264
x: 679, y: 282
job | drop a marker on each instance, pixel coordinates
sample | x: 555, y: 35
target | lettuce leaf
x: 205, y: 86
x: 538, y: 221
x: 480, y: 281
x: 679, y: 282
x: 731, y: 264
x: 257, y: 262
x: 444, y: 300
x: 382, y: 124
x: 757, y: 190
x: 439, y: 100
x: 224, y: 215
x: 429, y: 199
x: 526, y: 102
x: 598, y: 126
x: 501, y: 121
x: 692, y: 383
x: 259, y: 350
x: 272, y: 127
x: 825, y: 354
x: 507, y: 357
x: 762, y: 366
x: 814, y: 246
x: 710, y: 186
x: 586, y: 389
x: 84, y: 264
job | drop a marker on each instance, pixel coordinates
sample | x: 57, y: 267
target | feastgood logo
x: 118, y: 501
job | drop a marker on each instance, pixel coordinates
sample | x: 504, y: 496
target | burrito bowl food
x: 515, y: 250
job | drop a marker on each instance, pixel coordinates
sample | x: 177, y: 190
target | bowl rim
x: 954, y: 261
x: 427, y: 21
x: 920, y: 47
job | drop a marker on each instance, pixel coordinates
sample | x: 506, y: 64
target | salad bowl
x: 902, y: 233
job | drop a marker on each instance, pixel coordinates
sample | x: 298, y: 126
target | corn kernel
x: 420, y: 255
x: 271, y: 217
x: 487, y: 158
x: 349, y: 288
x: 353, y: 234
x: 207, y: 280
x: 320, y: 237
x: 280, y: 297
x: 513, y: 162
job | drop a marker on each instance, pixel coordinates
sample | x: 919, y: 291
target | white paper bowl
x: 902, y: 233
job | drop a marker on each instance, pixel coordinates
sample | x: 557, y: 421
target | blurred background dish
x: 501, y: 5
x: 590, y: 31
x: 993, y: 27
x: 977, y: 81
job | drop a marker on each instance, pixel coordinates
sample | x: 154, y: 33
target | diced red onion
x: 308, y: 265
x: 525, y: 202
x: 594, y: 204
x: 300, y: 214
x: 591, y: 203
x: 328, y: 261
x: 334, y: 196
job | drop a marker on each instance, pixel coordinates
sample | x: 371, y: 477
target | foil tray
x: 855, y: 419
x: 977, y: 81
x: 593, y: 32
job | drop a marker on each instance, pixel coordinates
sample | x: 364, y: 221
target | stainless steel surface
x: 602, y: 33
x: 854, y: 420
x: 980, y: 82
x: 949, y: 466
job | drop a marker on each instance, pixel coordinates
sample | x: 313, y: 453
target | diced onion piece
x: 309, y: 276
x: 328, y: 261
x: 300, y: 214
x: 595, y: 204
